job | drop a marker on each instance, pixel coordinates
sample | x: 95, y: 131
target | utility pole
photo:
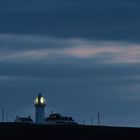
x: 98, y: 118
x: 6, y: 118
x: 83, y: 122
x: 3, y: 111
x: 91, y: 121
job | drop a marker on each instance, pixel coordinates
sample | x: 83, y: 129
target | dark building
x: 57, y: 119
x: 23, y: 119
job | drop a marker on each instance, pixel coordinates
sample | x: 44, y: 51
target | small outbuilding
x: 23, y: 119
x: 57, y: 119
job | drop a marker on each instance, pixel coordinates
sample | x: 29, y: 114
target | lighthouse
x: 40, y: 104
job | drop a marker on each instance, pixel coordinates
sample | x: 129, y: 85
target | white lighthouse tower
x: 40, y: 104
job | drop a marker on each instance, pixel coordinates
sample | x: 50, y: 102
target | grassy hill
x: 42, y: 132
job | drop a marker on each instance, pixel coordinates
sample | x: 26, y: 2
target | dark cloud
x: 15, y: 43
x: 105, y: 20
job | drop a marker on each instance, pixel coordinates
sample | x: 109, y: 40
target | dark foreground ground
x: 12, y: 131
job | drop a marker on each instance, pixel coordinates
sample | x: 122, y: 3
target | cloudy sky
x: 83, y: 55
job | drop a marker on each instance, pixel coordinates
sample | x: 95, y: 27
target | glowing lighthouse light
x: 40, y: 100
x: 36, y: 101
x: 40, y: 104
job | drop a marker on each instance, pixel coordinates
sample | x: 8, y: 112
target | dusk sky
x: 83, y: 55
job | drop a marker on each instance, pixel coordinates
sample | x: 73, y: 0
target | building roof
x: 24, y: 119
x: 56, y: 116
x: 57, y: 119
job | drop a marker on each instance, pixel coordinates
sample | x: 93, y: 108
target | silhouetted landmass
x: 15, y: 131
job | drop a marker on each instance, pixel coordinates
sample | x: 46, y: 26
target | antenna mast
x: 3, y: 111
x: 98, y: 118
